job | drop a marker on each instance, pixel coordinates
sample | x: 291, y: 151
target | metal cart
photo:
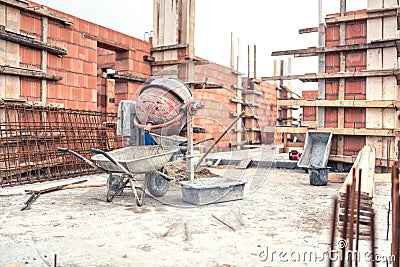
x: 125, y: 164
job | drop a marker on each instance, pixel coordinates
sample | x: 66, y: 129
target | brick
x: 76, y: 93
x: 126, y: 65
x: 356, y: 29
x: 53, y: 61
x: 66, y: 34
x: 78, y: 38
x: 356, y: 59
x: 332, y: 33
x: 356, y: 41
x: 355, y: 89
x: 54, y: 31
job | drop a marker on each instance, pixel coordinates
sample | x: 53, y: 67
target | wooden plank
x: 109, y: 45
x: 391, y: 104
x: 26, y: 41
x: 295, y: 144
x: 311, y: 51
x: 366, y: 161
x: 84, y: 185
x: 53, y: 186
x: 313, y: 77
x: 38, y: 10
x: 308, y: 30
x: 123, y: 76
x: 243, y: 164
x: 379, y: 13
x: 341, y: 131
x: 336, y: 177
x: 169, y: 47
x: 4, y: 69
x: 168, y: 62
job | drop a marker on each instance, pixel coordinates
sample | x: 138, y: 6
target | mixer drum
x: 160, y: 103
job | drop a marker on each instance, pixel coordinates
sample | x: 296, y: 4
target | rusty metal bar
x: 334, y: 217
x: 30, y: 134
x: 358, y: 212
x: 351, y: 225
x: 345, y: 221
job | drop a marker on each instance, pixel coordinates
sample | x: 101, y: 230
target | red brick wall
x: 218, y: 107
x: 79, y: 68
x: 309, y: 113
x: 216, y: 115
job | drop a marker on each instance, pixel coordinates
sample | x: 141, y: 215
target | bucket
x: 160, y: 104
x: 318, y: 175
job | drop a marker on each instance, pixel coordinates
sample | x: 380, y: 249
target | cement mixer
x: 162, y: 106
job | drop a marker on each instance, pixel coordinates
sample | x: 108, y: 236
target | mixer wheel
x: 156, y: 184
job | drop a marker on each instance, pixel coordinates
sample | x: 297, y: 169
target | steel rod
x: 345, y: 221
x: 333, y: 229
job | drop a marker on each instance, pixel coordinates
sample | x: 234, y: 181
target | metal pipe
x: 219, y: 139
x: 334, y: 216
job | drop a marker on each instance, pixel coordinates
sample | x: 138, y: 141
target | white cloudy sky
x: 271, y: 25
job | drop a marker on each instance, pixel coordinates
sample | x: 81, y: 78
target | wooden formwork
x: 357, y: 82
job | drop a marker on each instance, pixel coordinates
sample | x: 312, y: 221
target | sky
x: 270, y: 25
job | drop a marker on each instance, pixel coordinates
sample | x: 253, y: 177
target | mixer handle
x: 158, y: 126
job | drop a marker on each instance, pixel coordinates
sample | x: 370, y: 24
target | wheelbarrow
x: 125, y: 164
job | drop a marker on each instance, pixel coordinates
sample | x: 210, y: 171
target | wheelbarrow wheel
x: 115, y: 186
x: 156, y: 184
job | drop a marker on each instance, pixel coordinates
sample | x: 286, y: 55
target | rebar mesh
x: 29, y: 136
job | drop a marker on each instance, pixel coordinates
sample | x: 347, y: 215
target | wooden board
x: 53, y: 186
x: 243, y: 164
x: 337, y: 177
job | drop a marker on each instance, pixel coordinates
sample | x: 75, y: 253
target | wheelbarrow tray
x: 317, y: 148
x: 136, y: 159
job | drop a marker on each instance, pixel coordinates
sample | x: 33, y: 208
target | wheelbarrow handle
x: 99, y: 151
x: 67, y: 150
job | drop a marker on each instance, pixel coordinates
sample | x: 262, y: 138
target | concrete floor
x: 280, y: 213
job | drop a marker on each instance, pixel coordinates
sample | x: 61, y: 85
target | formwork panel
x: 374, y: 88
x: 12, y: 87
x: 389, y: 56
x: 3, y: 52
x: 389, y: 27
x: 389, y: 119
x: 390, y: 3
x: 2, y: 86
x: 374, y: 59
x: 374, y: 29
x: 389, y: 88
x: 375, y: 142
x: 374, y: 118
